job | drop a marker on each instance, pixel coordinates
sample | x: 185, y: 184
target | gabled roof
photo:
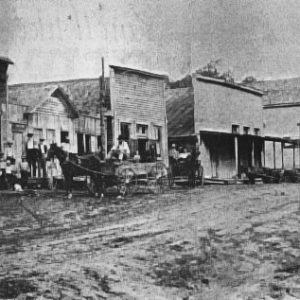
x: 281, y: 91
x: 180, y: 112
x: 83, y: 94
x: 60, y: 94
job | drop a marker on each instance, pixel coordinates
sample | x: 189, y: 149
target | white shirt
x: 30, y: 143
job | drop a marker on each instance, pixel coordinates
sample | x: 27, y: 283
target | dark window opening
x: 235, y: 129
x: 125, y: 131
x: 87, y: 143
x: 256, y: 131
x: 80, y: 144
x: 64, y: 137
x: 246, y: 130
x: 142, y: 150
x: 142, y: 129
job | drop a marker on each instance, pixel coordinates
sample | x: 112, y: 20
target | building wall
x: 139, y: 99
x: 281, y: 122
x: 218, y: 107
x: 275, y: 117
x: 49, y: 123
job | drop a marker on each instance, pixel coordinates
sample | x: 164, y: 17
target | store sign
x: 18, y: 127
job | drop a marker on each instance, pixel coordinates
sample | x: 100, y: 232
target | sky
x: 65, y: 39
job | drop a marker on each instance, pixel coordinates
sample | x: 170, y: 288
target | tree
x: 249, y: 79
x: 210, y: 70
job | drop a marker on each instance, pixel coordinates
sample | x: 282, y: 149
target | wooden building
x: 281, y: 113
x: 68, y: 113
x: 4, y: 122
x: 180, y: 114
x: 138, y: 111
x: 226, y: 119
x: 47, y: 111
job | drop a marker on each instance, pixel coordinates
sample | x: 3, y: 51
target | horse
x: 74, y: 165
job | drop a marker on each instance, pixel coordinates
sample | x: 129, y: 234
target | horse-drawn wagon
x: 126, y: 177
x: 185, y: 171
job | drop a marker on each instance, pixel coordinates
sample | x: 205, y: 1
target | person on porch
x: 120, y: 151
x: 43, y: 155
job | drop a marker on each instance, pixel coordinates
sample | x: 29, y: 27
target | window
x: 256, y: 131
x: 142, y: 130
x: 125, y: 131
x: 50, y: 136
x: 157, y: 138
x: 235, y: 129
x: 246, y: 130
x: 80, y: 145
x: 64, y: 137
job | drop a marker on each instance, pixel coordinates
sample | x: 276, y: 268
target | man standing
x: 173, y: 159
x: 31, y: 154
x: 43, y: 155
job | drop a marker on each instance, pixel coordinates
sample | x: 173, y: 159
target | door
x: 80, y: 144
x: 18, y: 145
x: 50, y: 136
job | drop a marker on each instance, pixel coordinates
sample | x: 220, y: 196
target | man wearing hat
x: 121, y: 150
x: 173, y: 158
x: 9, y: 149
x: 173, y: 152
x: 31, y: 150
x: 43, y: 155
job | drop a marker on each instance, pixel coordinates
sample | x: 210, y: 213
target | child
x: 25, y: 171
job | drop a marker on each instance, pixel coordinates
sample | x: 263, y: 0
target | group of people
x: 180, y: 155
x: 121, y: 151
x: 33, y: 163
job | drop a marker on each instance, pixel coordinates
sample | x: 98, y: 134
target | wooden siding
x: 53, y: 106
x: 139, y: 97
x: 218, y: 107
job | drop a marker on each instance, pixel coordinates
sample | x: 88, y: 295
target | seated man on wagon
x: 119, y: 151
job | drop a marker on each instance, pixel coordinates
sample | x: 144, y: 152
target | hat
x: 42, y: 139
x: 29, y: 134
x: 173, y: 146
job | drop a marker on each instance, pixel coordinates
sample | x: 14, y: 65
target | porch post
x: 264, y: 153
x: 294, y: 163
x: 274, y: 155
x: 282, y: 160
x: 236, y: 154
x: 253, y: 154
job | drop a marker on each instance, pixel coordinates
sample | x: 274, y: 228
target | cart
x: 185, y: 171
x: 128, y: 177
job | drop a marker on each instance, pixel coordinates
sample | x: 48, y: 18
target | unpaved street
x: 217, y: 242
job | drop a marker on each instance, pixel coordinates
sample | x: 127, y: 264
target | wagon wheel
x: 171, y: 176
x: 92, y: 185
x: 128, y: 181
x: 200, y: 176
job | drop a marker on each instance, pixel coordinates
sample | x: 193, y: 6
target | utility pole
x: 101, y: 102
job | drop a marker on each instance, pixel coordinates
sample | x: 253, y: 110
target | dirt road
x: 226, y: 242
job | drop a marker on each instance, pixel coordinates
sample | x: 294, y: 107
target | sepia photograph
x: 150, y: 149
